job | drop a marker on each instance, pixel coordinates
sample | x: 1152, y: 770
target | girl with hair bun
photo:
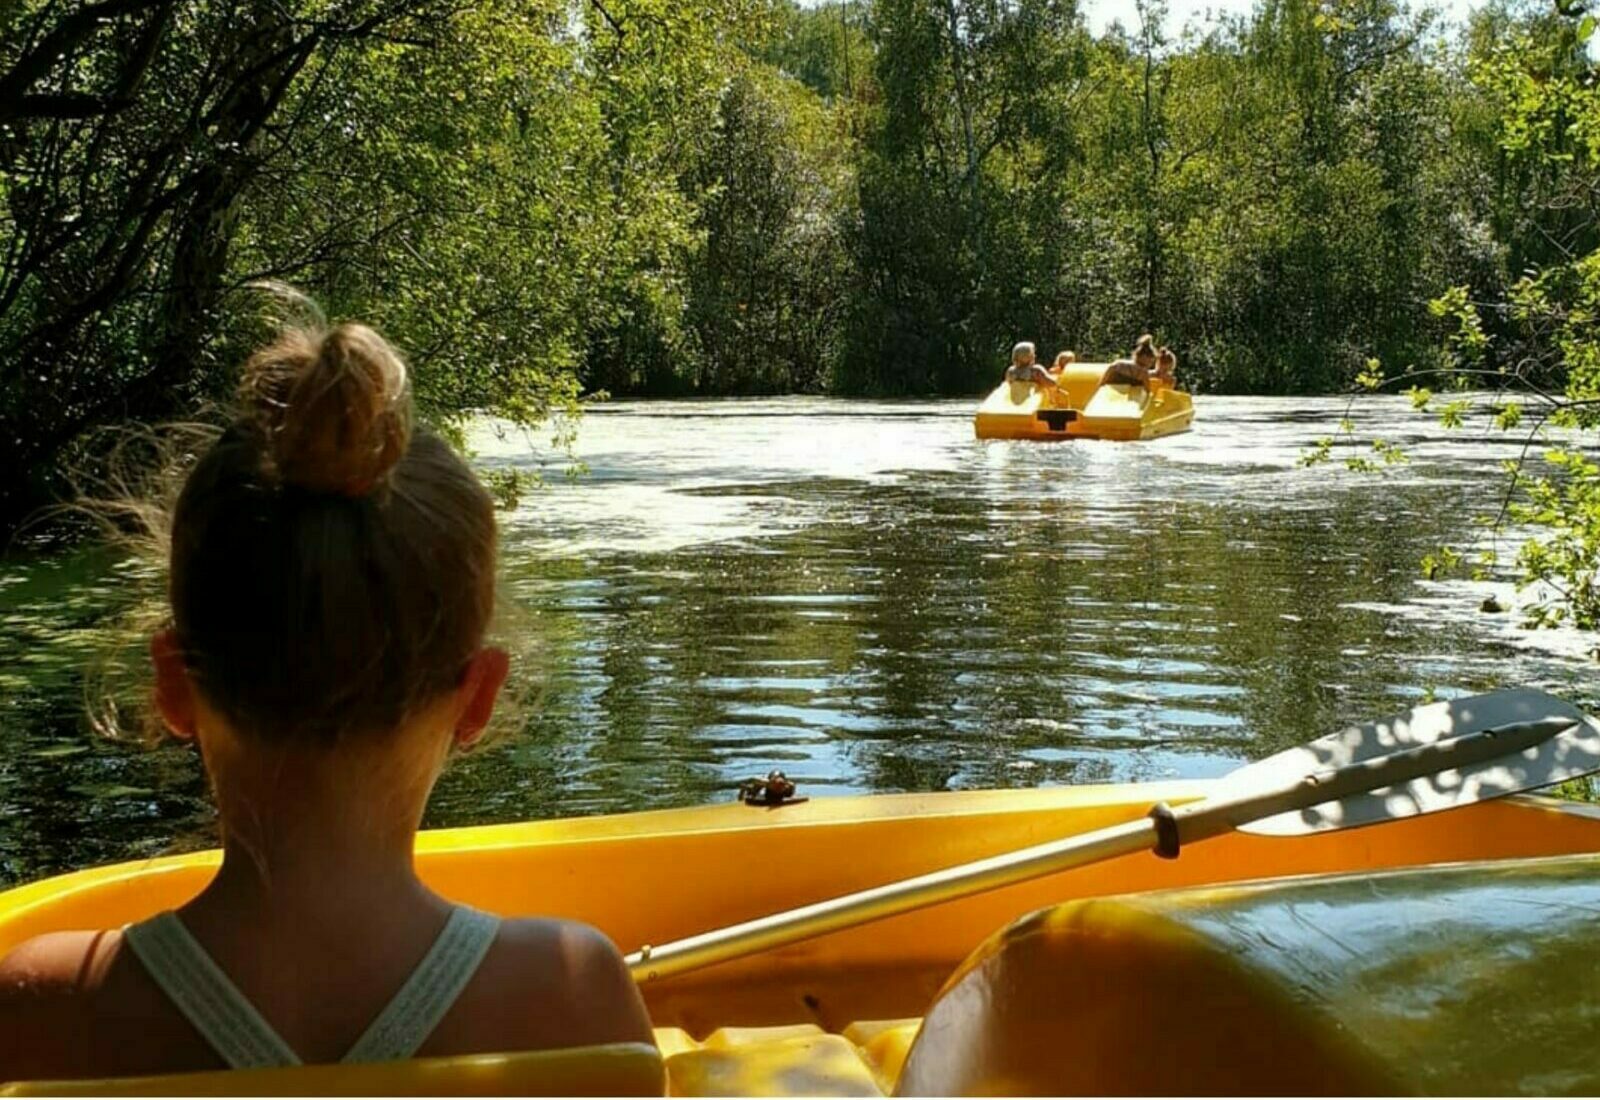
x: 331, y: 584
x: 1135, y: 370
x: 1167, y: 366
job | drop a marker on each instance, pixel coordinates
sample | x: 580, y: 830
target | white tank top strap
x: 244, y: 1040
x: 410, y: 1017
x: 205, y: 996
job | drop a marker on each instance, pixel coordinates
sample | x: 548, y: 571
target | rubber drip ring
x: 1167, y: 839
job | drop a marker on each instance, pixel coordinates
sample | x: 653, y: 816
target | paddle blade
x: 1571, y: 750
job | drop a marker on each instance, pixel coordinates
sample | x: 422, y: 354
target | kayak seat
x: 791, y: 1060
x: 796, y: 1065
x: 1454, y: 979
x: 615, y: 1069
x: 883, y: 1046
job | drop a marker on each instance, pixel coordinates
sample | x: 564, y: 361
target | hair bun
x: 335, y: 405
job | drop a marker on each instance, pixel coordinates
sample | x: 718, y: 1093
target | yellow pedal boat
x: 1080, y: 407
x: 1139, y: 975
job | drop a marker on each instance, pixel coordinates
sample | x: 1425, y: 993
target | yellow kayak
x: 1340, y: 987
x: 1080, y: 407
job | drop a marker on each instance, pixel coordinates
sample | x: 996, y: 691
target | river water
x: 863, y: 595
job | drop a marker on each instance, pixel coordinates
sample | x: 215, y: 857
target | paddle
x: 1435, y: 757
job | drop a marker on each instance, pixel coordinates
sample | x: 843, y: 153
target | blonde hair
x: 1065, y: 357
x: 1021, y: 352
x: 333, y: 405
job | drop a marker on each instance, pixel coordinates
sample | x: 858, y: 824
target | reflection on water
x: 865, y: 596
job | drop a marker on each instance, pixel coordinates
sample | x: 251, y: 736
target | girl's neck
x: 323, y: 839
x: 300, y: 878
x: 319, y: 834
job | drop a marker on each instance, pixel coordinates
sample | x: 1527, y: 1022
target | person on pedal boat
x: 1025, y: 366
x: 1135, y: 370
x: 331, y: 583
x: 1167, y: 366
x: 1064, y: 360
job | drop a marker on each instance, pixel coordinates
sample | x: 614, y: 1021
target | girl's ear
x: 480, y: 686
x: 174, y: 690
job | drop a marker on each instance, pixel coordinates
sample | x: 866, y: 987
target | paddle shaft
x: 791, y: 926
x: 1190, y: 823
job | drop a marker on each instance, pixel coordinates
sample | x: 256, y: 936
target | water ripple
x: 862, y: 594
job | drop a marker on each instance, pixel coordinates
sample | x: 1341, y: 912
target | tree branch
x: 70, y: 32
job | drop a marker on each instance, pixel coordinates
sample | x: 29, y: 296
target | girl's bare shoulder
x: 577, y: 957
x: 57, y: 964
x: 547, y: 983
x: 52, y: 994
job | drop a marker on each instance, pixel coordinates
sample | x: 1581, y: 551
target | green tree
x: 130, y: 132
x: 945, y: 157
x: 1546, y: 344
x: 768, y: 287
x: 496, y: 185
x: 824, y: 47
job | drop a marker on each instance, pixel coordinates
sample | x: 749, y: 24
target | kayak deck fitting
x: 840, y: 1014
x: 1080, y: 407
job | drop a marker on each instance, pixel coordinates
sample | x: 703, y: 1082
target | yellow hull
x: 1082, y: 408
x: 850, y: 1000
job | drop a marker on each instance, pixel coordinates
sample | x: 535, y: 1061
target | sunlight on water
x: 866, y: 596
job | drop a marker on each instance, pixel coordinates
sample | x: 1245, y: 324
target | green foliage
x: 495, y: 185
x: 1565, y: 558
x: 966, y: 141
x: 507, y: 485
x: 767, y: 291
x: 1453, y: 414
x: 1584, y: 789
x: 1390, y: 454
x: 1321, y: 451
x: 1466, y: 337
x: 1441, y: 564
x: 823, y: 47
x: 1537, y: 77
x: 1534, y: 75
x: 1382, y: 452
x: 1279, y: 194
x: 1483, y: 568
